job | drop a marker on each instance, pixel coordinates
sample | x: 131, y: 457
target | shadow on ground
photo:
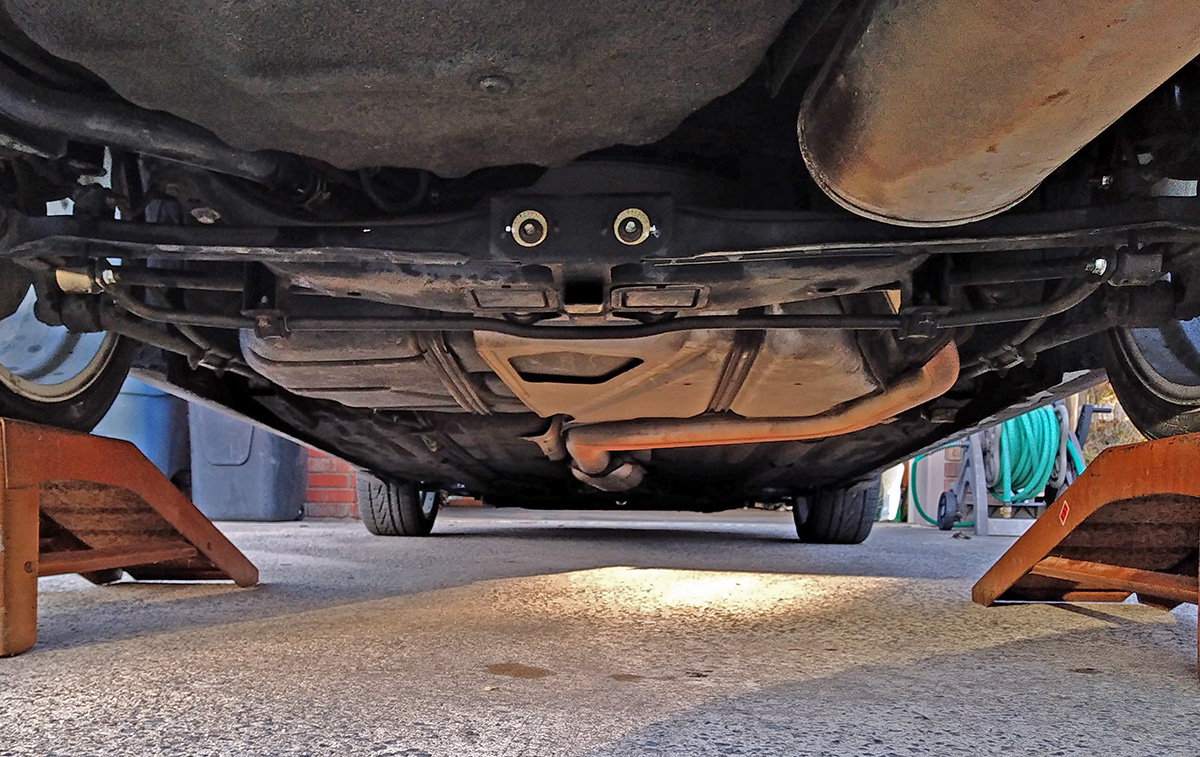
x: 1113, y: 691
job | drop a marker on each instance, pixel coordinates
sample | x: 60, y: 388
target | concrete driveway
x: 597, y: 634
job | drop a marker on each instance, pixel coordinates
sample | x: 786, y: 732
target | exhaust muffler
x: 942, y: 112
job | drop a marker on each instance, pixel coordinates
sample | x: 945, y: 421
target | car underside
x: 660, y: 255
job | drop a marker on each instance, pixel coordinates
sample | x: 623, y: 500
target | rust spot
x: 1057, y: 95
x: 517, y: 670
x: 627, y: 677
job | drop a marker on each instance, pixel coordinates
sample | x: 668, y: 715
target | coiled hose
x: 1030, y: 452
x: 1022, y: 457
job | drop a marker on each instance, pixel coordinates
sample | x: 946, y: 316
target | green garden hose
x: 916, y: 499
x: 1022, y: 459
x: 1029, y: 445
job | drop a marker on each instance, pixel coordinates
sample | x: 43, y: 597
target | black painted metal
x: 696, y: 236
x: 129, y: 127
x: 922, y: 323
x: 446, y: 87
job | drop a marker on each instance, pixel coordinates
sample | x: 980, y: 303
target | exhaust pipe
x: 591, y: 446
x: 943, y: 112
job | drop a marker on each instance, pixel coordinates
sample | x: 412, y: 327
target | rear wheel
x: 841, y: 515
x: 1156, y: 375
x: 53, y: 377
x: 395, y: 508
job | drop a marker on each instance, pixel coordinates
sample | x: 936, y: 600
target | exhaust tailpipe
x: 591, y: 446
x: 942, y: 112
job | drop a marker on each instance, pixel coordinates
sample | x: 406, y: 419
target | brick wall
x: 954, y: 464
x: 331, y: 492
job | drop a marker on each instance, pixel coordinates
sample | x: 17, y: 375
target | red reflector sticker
x: 1063, y: 512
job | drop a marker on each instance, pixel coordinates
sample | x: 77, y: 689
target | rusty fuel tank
x: 942, y: 112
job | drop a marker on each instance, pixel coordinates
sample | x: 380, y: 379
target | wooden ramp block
x: 1129, y: 525
x: 75, y: 503
x: 18, y: 570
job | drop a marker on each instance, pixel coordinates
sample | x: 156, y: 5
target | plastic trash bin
x: 156, y: 423
x: 241, y: 472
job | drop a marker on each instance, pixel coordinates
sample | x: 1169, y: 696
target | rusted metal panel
x: 765, y: 374
x: 940, y: 112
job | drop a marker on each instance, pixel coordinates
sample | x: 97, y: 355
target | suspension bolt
x: 1098, y: 266
x: 206, y: 215
x: 529, y: 228
x: 632, y: 226
x: 495, y: 85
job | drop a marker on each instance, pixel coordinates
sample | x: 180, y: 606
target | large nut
x: 529, y: 228
x: 632, y: 226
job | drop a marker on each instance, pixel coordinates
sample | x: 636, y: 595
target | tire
x: 947, y: 511
x: 393, y: 508
x: 1156, y: 376
x: 55, y: 378
x: 840, y: 516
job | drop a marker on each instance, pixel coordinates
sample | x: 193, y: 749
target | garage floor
x: 518, y: 633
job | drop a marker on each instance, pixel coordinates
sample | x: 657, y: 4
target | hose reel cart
x: 1018, y: 467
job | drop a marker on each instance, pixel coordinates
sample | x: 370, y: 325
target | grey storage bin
x: 156, y: 423
x: 241, y: 472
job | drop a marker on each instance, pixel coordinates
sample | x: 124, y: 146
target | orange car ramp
x: 1129, y: 525
x: 74, y: 503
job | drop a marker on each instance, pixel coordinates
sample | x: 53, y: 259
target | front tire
x: 395, y: 508
x: 841, y: 515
